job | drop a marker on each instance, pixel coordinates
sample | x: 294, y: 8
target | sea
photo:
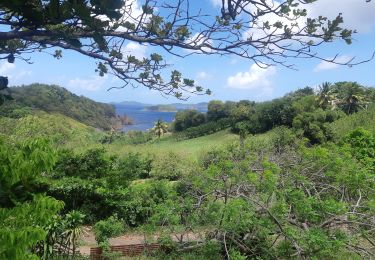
x: 143, y: 119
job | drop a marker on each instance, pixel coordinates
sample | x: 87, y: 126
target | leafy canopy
x: 100, y: 30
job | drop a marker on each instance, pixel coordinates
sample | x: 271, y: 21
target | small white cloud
x: 216, y: 3
x: 255, y: 79
x: 203, y: 76
x: 325, y: 65
x: 135, y: 49
x: 93, y: 83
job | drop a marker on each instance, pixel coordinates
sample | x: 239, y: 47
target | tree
x: 351, y: 96
x: 4, y: 95
x: 100, y: 30
x: 73, y: 225
x: 325, y: 95
x: 216, y: 110
x: 187, y: 118
x: 160, y: 128
x: 23, y: 211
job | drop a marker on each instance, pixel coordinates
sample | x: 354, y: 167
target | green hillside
x: 61, y: 130
x: 189, y: 149
x: 55, y: 99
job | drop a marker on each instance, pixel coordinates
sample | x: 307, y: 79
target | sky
x: 229, y: 78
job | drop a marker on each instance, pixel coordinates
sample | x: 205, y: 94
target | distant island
x: 174, y: 107
x: 161, y: 108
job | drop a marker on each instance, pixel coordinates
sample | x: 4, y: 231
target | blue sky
x: 230, y: 78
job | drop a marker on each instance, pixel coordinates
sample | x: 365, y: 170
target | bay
x: 143, y: 119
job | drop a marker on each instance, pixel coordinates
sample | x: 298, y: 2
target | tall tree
x: 352, y: 96
x: 160, y: 128
x: 101, y: 29
x: 325, y: 96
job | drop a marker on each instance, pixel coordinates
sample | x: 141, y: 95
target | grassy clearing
x: 191, y: 148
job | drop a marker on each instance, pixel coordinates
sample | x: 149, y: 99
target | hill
x: 63, y: 131
x: 55, y: 99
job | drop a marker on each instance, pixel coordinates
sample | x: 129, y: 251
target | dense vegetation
x: 52, y: 98
x: 307, y: 112
x: 296, y: 182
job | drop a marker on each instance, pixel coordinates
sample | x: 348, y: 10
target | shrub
x: 110, y: 227
x: 169, y: 166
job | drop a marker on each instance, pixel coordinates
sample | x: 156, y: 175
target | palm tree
x: 352, y: 97
x: 326, y: 97
x: 160, y: 128
x: 73, y: 228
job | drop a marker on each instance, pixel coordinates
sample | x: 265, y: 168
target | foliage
x: 133, y: 166
x: 130, y: 137
x: 216, y: 110
x: 160, y: 128
x: 24, y: 212
x: 55, y: 99
x: 63, y: 233
x: 93, y: 163
x: 96, y: 30
x: 280, y: 203
x: 62, y: 131
x: 168, y: 166
x: 187, y: 118
x: 351, y: 96
x: 143, y: 198
x: 315, y: 125
x: 363, y: 118
x: 105, y: 229
x: 362, y: 145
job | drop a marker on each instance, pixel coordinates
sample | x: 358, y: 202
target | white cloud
x: 135, y: 49
x: 357, y: 13
x: 14, y: 75
x: 216, y: 3
x: 93, y: 83
x: 255, y: 79
x: 6, y: 68
x: 324, y: 65
x: 203, y: 75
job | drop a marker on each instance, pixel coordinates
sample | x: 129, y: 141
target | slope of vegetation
x: 296, y: 182
x: 61, y: 130
x: 190, y: 148
x: 55, y: 99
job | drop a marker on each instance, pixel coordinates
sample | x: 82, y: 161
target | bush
x: 134, y: 166
x: 169, y: 167
x: 93, y: 163
x: 110, y: 227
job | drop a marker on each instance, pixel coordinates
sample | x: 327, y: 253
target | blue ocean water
x: 143, y: 119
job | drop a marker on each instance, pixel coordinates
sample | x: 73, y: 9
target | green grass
x: 191, y: 148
